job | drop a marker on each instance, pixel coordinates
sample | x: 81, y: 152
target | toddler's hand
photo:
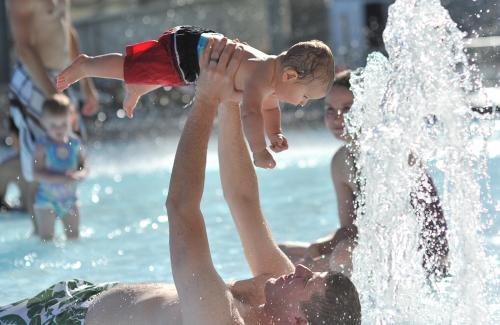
x: 75, y: 176
x: 278, y: 142
x: 263, y: 159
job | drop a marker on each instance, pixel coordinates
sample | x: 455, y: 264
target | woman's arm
x: 342, y: 175
x: 241, y: 192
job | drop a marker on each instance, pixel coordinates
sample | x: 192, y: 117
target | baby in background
x: 304, y: 72
x: 59, y: 163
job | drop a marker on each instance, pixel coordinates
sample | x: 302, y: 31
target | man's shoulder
x: 222, y: 308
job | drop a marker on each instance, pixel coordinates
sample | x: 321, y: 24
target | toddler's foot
x: 263, y: 159
x: 134, y: 93
x: 73, y: 73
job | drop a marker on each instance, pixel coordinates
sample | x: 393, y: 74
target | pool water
x: 125, y: 228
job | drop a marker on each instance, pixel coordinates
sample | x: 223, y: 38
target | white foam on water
x: 416, y: 102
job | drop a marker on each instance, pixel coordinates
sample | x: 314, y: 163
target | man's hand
x: 278, y: 142
x: 263, y: 159
x: 219, y: 63
x: 251, y: 290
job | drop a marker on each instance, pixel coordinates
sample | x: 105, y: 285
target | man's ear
x: 289, y: 74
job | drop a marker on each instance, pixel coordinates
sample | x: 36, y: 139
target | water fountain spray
x: 411, y: 111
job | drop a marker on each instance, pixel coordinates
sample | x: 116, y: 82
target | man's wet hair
x: 338, y: 305
x: 56, y: 105
x: 312, y: 60
x: 343, y: 79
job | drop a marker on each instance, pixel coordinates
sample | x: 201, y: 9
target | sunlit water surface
x: 124, y: 223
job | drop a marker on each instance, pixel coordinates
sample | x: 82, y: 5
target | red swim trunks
x: 172, y: 60
x: 153, y: 62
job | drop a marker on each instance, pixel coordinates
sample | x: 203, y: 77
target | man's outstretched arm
x: 203, y: 295
x: 241, y: 191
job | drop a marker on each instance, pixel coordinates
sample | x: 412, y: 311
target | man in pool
x: 278, y: 293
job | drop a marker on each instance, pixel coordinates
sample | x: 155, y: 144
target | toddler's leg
x: 45, y: 219
x: 71, y: 224
x: 134, y: 93
x: 108, y: 66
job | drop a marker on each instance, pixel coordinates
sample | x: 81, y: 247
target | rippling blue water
x: 125, y: 228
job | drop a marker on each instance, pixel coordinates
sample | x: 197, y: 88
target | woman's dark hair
x: 339, y: 305
x: 343, y: 79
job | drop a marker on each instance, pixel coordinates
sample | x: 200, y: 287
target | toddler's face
x: 58, y: 126
x: 298, y: 92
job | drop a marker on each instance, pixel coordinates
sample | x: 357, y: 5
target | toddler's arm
x: 82, y: 170
x: 272, y: 120
x: 253, y: 126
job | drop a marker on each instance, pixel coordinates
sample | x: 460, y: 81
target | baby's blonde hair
x: 311, y: 60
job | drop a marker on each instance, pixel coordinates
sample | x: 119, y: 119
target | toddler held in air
x: 304, y: 72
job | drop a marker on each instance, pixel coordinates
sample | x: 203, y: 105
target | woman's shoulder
x: 342, y: 164
x: 342, y: 157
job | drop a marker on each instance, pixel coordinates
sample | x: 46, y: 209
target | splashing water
x: 415, y: 104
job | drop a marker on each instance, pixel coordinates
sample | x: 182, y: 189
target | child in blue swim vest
x: 59, y: 164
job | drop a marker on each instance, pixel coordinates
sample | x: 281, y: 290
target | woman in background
x: 334, y: 251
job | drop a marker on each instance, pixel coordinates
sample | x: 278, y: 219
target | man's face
x: 337, y: 103
x: 284, y: 295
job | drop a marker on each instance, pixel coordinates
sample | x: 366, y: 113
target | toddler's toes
x: 61, y: 83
